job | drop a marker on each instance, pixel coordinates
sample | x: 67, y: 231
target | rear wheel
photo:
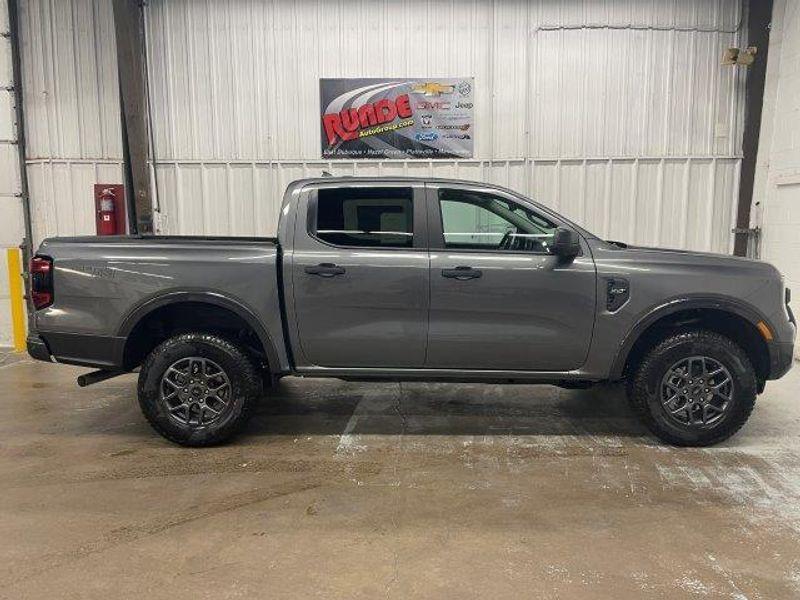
x: 198, y: 389
x: 695, y: 388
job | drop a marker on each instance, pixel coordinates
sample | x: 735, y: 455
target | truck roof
x: 386, y: 178
x: 349, y: 179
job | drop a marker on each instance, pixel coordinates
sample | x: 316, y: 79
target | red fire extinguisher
x: 106, y: 214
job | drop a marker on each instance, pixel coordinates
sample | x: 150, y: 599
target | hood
x: 644, y: 254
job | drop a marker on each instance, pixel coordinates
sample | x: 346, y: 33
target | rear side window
x: 373, y: 217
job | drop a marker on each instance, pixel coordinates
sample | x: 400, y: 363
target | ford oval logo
x: 428, y: 136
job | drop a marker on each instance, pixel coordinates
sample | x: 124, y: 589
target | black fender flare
x: 142, y: 310
x: 722, y: 303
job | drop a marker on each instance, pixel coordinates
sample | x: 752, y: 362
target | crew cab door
x: 499, y: 299
x: 359, y: 272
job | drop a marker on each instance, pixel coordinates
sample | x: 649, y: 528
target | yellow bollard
x: 16, y: 297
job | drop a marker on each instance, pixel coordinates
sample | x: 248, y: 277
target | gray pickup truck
x: 390, y: 279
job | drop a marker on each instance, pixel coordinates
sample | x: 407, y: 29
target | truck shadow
x: 330, y: 407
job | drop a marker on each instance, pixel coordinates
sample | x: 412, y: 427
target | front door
x: 499, y: 299
x: 360, y: 276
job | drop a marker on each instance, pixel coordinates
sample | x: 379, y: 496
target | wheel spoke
x: 678, y: 410
x: 173, y: 370
x: 719, y: 394
x: 717, y: 389
x: 174, y: 409
x: 213, y: 410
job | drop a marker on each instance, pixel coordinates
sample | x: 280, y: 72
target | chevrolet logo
x: 433, y: 89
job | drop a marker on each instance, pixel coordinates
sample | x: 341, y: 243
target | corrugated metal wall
x: 615, y: 112
x: 777, y: 182
x: 72, y: 116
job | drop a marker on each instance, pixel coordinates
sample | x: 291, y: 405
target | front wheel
x: 695, y: 388
x: 198, y: 389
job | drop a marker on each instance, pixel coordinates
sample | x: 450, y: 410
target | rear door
x: 499, y: 299
x: 360, y: 276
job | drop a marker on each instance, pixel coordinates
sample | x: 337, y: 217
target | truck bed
x: 104, y: 286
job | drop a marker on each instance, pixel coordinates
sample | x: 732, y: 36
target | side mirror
x: 566, y: 243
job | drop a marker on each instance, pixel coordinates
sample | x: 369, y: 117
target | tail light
x: 42, y: 281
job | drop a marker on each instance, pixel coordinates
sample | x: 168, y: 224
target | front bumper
x: 781, y: 358
x: 37, y: 348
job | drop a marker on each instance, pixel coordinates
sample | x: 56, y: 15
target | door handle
x: 462, y: 273
x: 325, y: 270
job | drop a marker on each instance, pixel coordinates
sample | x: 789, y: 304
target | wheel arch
x: 134, y: 320
x: 723, y: 315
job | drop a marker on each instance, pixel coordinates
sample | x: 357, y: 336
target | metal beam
x: 759, y: 17
x: 19, y: 116
x: 129, y: 29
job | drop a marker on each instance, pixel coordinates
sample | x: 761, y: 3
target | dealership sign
x: 397, y: 118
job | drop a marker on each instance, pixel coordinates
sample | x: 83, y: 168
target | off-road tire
x: 245, y: 384
x: 644, y: 387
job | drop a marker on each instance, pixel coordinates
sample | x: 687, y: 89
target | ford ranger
x: 396, y: 279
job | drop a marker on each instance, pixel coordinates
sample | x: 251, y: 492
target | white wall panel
x: 72, y: 116
x: 239, y: 80
x: 671, y: 202
x: 70, y: 79
x: 62, y: 194
x: 776, y: 195
x: 617, y: 113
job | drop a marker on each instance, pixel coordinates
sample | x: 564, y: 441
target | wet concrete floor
x: 345, y: 490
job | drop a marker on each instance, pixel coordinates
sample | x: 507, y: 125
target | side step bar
x: 97, y: 377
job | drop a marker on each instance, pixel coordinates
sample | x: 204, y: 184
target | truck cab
x: 434, y: 275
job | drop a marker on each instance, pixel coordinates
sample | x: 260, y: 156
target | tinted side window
x: 476, y: 221
x: 379, y: 217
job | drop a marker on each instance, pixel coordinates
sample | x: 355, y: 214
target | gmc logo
x: 425, y: 105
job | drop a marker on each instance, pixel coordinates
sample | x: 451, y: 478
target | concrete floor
x: 342, y: 490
